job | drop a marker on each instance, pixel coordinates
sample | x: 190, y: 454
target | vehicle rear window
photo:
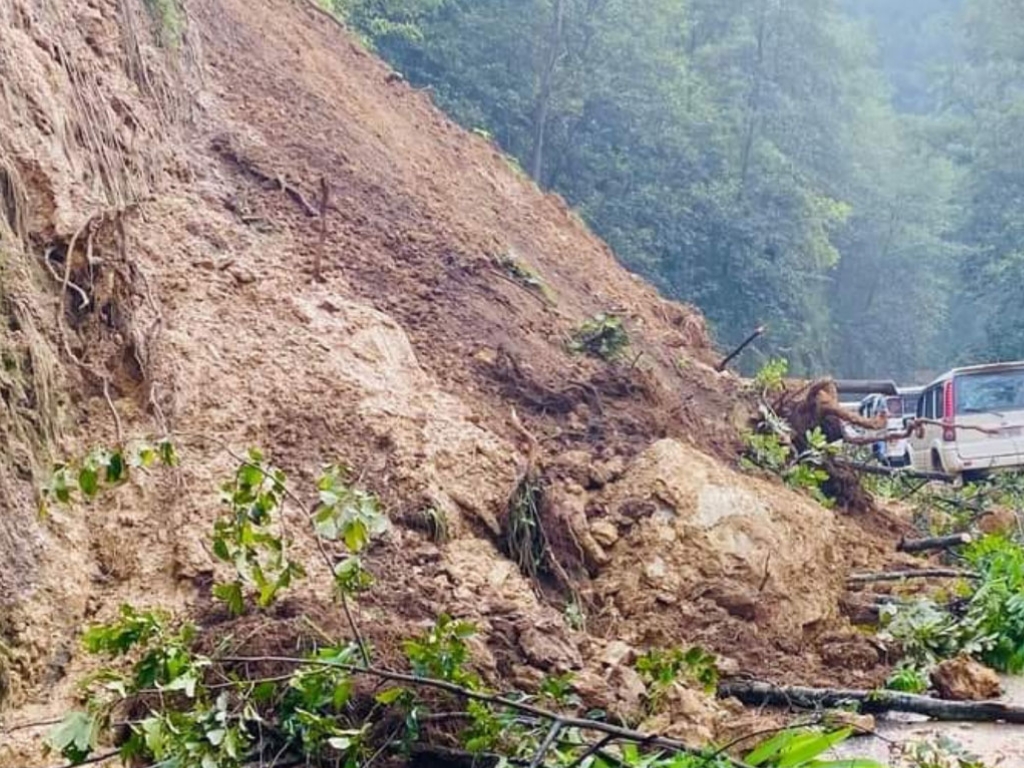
x: 990, y: 392
x: 910, y: 403
x: 894, y: 406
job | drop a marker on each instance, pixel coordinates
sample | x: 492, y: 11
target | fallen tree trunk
x: 934, y: 542
x: 760, y: 693
x: 923, y: 573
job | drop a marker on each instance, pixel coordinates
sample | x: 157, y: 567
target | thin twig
x: 593, y: 749
x: 28, y: 726
x: 71, y: 284
x: 923, y: 573
x: 556, y: 726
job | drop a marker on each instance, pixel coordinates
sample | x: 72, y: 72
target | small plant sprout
x: 603, y: 336
x: 660, y: 669
x: 102, y: 469
x: 523, y: 275
x: 245, y: 537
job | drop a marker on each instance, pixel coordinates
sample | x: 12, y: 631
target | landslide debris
x: 157, y: 247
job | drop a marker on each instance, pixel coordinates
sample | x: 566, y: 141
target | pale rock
x: 544, y: 648
x: 655, y: 571
x: 629, y: 689
x: 617, y: 653
x: 604, y: 532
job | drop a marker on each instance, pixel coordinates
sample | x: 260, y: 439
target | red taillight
x: 948, y: 410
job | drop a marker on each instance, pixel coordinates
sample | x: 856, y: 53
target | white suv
x: 977, y: 420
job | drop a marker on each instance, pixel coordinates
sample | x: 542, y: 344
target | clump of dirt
x: 963, y: 679
x: 160, y: 226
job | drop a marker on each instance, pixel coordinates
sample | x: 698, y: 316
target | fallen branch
x: 759, y: 331
x: 924, y: 573
x: 761, y: 693
x: 878, y: 469
x: 599, y: 726
x: 934, y: 542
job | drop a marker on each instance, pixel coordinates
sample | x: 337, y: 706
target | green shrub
x: 772, y: 376
x: 602, y: 336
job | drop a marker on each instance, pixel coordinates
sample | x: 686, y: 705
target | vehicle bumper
x: 954, y: 464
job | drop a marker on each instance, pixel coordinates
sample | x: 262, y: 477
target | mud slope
x: 161, y: 189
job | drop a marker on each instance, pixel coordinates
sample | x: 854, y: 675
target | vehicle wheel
x: 973, y: 476
x: 937, y: 462
x: 906, y: 459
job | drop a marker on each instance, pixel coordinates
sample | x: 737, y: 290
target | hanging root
x: 12, y: 199
x: 524, y: 532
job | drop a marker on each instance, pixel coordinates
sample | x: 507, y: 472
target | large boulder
x: 701, y: 535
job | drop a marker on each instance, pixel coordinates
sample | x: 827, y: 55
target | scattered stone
x: 736, y: 599
x: 617, y: 653
x: 604, y: 532
x: 655, y: 571
x: 963, y: 679
x: 544, y: 648
x: 863, y: 725
x: 243, y: 276
x: 629, y: 689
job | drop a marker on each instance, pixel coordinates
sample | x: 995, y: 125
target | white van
x: 979, y: 415
x: 894, y: 453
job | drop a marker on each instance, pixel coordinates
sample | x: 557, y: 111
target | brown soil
x: 178, y: 186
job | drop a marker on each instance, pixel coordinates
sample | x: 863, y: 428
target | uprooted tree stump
x: 815, y: 405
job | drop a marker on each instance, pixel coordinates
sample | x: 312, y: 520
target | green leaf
x: 220, y: 549
x: 89, y: 481
x: 340, y: 743
x: 390, y: 696
x: 116, y: 468
x: 168, y: 454
x: 185, y: 683
x: 355, y: 536
x: 75, y: 736
x: 805, y: 751
x: 215, y: 736
x: 231, y: 595
x: 768, y: 749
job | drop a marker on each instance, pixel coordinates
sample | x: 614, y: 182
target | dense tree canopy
x: 844, y: 171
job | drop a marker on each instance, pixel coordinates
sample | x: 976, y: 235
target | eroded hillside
x: 161, y: 183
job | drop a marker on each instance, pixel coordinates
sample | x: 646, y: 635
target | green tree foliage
x: 742, y: 154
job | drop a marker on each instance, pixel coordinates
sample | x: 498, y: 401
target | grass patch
x: 168, y: 21
x: 524, y: 538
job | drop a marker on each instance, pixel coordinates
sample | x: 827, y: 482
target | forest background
x: 849, y: 173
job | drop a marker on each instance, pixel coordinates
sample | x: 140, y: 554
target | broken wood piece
x: 743, y: 345
x: 933, y: 542
x: 758, y: 693
x: 923, y: 573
